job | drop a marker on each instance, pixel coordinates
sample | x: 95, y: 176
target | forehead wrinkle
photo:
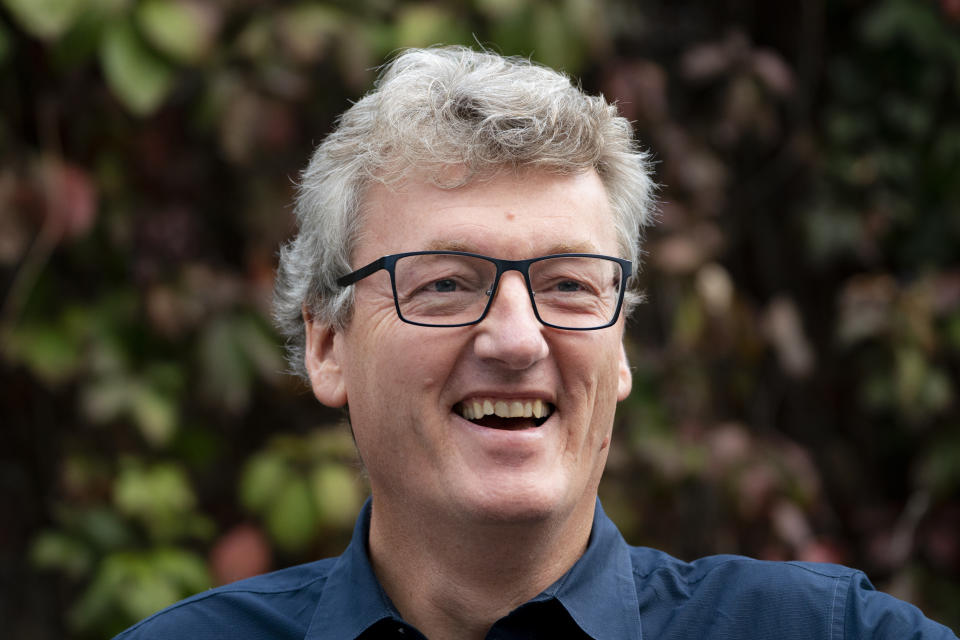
x: 561, y: 247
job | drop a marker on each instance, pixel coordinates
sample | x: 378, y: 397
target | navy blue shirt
x: 614, y: 592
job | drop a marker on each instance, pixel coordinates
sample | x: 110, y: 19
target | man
x: 460, y: 281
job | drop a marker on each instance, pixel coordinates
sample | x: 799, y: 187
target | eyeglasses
x: 575, y: 291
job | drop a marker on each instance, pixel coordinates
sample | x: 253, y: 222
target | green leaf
x: 104, y: 528
x: 500, y: 9
x: 912, y: 369
x: 151, y: 401
x: 421, y: 25
x: 307, y: 29
x: 184, y: 31
x: 138, y: 584
x: 555, y: 43
x: 104, y: 399
x: 139, y: 78
x: 511, y: 32
x: 327, y: 443
x: 58, y: 550
x: 79, y: 45
x: 915, y: 23
x: 228, y: 373
x: 47, y: 19
x: 160, y: 497
x: 141, y: 490
x: 50, y: 352
x: 148, y: 592
x: 232, y: 349
x: 939, y: 470
x: 259, y: 346
x: 97, y: 602
x: 256, y: 38
x: 830, y: 232
x: 292, y: 518
x: 187, y: 570
x: 262, y: 480
x: 155, y: 414
x: 337, y: 494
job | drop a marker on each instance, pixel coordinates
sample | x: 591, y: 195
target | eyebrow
x: 563, y: 247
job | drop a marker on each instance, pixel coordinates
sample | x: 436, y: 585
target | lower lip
x: 508, y: 436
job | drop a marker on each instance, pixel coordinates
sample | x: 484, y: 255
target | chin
x: 519, y: 504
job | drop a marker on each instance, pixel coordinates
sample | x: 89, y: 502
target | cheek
x: 413, y: 371
x: 605, y: 390
x: 399, y: 370
x: 603, y: 358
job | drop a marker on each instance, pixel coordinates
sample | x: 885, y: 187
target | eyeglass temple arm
x: 362, y: 272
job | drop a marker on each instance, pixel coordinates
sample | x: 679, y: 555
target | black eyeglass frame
x: 388, y: 264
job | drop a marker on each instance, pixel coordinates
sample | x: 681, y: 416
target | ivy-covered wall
x: 796, y: 364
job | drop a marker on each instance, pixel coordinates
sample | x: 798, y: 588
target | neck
x: 454, y: 579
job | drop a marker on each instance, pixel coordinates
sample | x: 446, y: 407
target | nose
x: 510, y: 333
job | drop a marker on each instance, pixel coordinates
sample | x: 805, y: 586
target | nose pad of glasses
x: 496, y: 284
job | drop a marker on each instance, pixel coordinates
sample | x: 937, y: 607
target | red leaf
x: 951, y: 9
x: 240, y: 553
x: 71, y: 198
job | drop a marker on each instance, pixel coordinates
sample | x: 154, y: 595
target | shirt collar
x: 598, y: 591
x: 352, y: 598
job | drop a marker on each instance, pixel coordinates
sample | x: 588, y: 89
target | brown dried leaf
x: 705, y: 62
x: 790, y: 523
x: 773, y: 71
x: 713, y: 59
x: 866, y: 303
x: 716, y: 288
x: 755, y: 486
x: 783, y: 326
x: 730, y: 444
x: 640, y: 89
x: 685, y: 252
x: 823, y: 550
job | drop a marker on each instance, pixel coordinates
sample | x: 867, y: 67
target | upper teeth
x: 479, y: 407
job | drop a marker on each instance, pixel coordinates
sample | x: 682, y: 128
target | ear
x: 624, y: 378
x: 322, y: 362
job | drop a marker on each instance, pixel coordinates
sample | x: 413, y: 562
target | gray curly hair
x: 432, y: 109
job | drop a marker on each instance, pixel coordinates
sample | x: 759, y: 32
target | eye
x: 446, y: 285
x: 569, y: 286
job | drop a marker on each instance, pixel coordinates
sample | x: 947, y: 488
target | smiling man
x: 460, y: 279
x: 484, y: 442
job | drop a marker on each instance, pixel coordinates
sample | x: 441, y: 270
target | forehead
x: 509, y: 215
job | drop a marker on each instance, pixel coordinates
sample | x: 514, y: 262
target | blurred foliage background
x: 796, y: 365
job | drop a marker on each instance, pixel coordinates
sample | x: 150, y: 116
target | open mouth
x: 514, y: 414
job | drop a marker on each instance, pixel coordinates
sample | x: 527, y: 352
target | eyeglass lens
x: 569, y: 292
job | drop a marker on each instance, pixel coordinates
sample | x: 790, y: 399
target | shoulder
x: 728, y: 576
x: 745, y: 597
x: 275, y: 605
x: 648, y: 562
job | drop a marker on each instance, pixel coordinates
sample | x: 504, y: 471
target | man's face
x: 406, y: 385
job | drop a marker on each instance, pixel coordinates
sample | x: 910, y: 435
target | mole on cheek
x: 510, y: 216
